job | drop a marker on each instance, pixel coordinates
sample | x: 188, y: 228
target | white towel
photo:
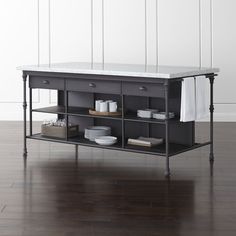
x: 188, y: 101
x: 202, y: 97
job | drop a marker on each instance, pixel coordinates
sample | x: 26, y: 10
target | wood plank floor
x: 116, y: 193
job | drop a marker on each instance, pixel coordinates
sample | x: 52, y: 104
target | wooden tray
x: 97, y: 113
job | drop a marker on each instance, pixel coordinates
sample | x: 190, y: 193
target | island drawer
x: 143, y: 89
x: 46, y: 83
x: 94, y: 86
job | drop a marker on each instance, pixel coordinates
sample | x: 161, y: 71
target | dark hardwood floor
x: 116, y: 193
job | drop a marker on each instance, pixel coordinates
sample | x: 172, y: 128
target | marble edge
x: 120, y: 73
x: 195, y: 73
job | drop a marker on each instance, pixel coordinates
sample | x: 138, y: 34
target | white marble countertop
x: 163, y: 72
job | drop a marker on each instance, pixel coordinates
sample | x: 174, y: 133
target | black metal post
x: 148, y: 124
x: 66, y: 112
x: 76, y: 151
x: 123, y: 122
x: 166, y: 85
x: 30, y: 111
x: 211, y: 157
x: 24, y: 76
x: 66, y: 99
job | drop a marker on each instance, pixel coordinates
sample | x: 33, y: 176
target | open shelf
x: 73, y: 111
x: 84, y: 112
x: 159, y: 150
x: 53, y: 110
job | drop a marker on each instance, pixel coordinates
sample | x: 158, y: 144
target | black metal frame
x: 166, y: 85
x: 211, y: 156
x: 24, y: 76
x: 164, y: 82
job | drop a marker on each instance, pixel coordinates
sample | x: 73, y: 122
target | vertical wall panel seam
x: 38, y: 31
x: 145, y: 29
x: 103, y: 35
x: 38, y: 34
x: 49, y: 41
x: 211, y: 31
x: 49, y: 32
x: 157, y: 35
x: 200, y: 34
x: 92, y: 33
x: 50, y: 97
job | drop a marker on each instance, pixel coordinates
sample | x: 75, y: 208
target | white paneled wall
x: 124, y: 31
x: 70, y: 30
x: 48, y: 31
x: 178, y: 32
x: 225, y: 49
x: 18, y: 36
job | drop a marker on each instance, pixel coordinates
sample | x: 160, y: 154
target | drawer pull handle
x: 92, y: 85
x: 142, y: 88
x: 45, y: 82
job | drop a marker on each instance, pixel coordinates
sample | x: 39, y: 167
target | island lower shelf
x: 159, y: 150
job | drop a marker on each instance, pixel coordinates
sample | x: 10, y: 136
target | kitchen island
x: 133, y: 87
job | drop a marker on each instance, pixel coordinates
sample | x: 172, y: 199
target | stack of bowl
x: 106, y: 140
x: 94, y: 132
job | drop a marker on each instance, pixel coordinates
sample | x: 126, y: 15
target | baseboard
x: 225, y: 112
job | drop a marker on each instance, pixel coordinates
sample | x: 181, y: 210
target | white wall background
x: 43, y: 31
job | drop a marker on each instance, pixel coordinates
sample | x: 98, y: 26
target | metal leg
x: 66, y: 111
x: 211, y: 157
x: 123, y: 123
x: 167, y: 171
x: 30, y: 111
x: 76, y: 151
x: 24, y: 109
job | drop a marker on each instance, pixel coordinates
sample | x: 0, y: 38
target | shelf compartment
x: 73, y: 111
x: 80, y: 140
x: 134, y: 118
x: 159, y: 150
x: 85, y: 142
x: 84, y: 112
